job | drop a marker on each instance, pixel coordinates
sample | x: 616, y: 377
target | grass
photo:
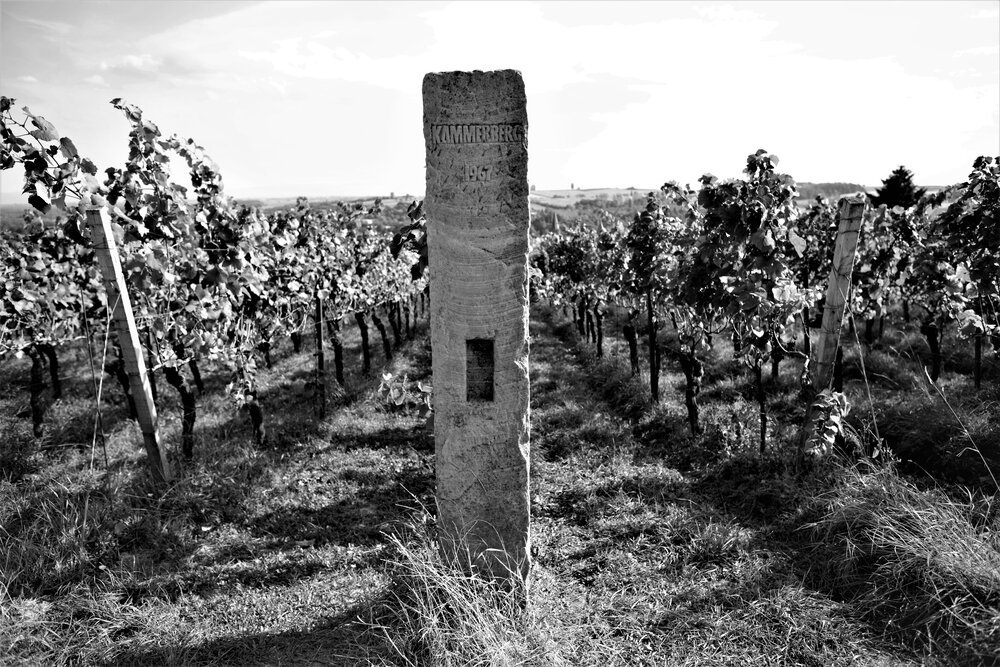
x: 439, y: 613
x: 252, y: 556
x: 751, y: 505
x: 650, y: 546
x: 913, y: 559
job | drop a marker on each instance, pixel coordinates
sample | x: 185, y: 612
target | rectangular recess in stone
x: 479, y: 369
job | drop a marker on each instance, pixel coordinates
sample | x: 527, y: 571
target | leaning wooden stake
x: 128, y: 335
x: 851, y: 212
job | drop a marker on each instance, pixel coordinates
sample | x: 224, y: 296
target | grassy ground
x: 682, y: 547
x: 713, y: 554
x: 254, y: 556
x: 651, y: 546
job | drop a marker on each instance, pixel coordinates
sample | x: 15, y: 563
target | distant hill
x: 546, y: 205
x: 12, y: 215
x: 809, y: 191
x: 569, y: 198
x: 272, y: 203
x: 552, y: 208
x: 565, y: 199
x: 394, y: 209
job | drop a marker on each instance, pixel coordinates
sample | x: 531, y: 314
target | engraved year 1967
x: 475, y: 172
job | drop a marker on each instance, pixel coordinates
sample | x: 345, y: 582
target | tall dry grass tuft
x: 440, y: 615
x: 917, y: 563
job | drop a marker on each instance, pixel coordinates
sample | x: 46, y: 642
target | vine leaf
x: 39, y: 203
x: 132, y: 112
x: 45, y: 131
x: 68, y: 148
x: 797, y: 242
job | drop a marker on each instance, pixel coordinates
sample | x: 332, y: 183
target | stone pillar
x: 476, y: 203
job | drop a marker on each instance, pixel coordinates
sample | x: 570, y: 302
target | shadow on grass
x: 706, y: 516
x: 220, y: 579
x: 419, y: 438
x: 289, y: 399
x: 342, y: 639
x: 334, y: 503
x: 358, y: 517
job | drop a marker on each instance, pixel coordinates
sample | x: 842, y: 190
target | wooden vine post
x: 128, y: 336
x: 850, y: 212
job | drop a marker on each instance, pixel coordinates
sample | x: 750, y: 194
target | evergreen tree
x: 898, y: 190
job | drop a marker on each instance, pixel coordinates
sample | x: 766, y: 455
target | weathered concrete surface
x: 475, y: 129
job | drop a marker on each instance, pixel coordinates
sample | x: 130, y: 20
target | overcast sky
x: 323, y: 98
